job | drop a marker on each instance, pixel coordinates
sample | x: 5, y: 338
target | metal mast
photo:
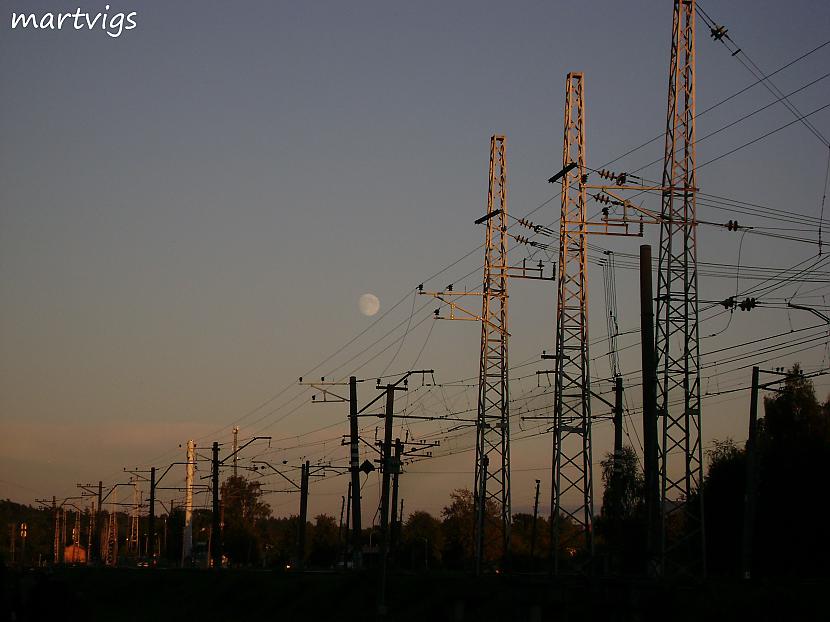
x: 491, y: 492
x: 572, y: 498
x: 677, y: 338
x: 111, y: 546
x: 492, y: 469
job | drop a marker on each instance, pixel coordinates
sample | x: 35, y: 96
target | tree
x: 325, y: 541
x: 622, y: 521
x: 793, y: 451
x: 242, y: 510
x: 422, y: 541
x: 794, y: 448
x: 723, y: 494
x: 459, y: 524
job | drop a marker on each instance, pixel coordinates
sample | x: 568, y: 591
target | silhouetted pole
x: 649, y: 363
x: 479, y: 531
x: 57, y: 529
x: 305, y: 469
x: 97, y: 543
x: 384, y: 499
x: 618, y: 424
x: 533, y: 526
x: 216, y: 535
x: 151, y: 519
x: 751, y: 479
x: 396, y: 471
x: 347, y: 532
x: 354, y: 467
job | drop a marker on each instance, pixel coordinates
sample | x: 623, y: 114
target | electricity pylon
x: 111, y: 542
x: 677, y: 336
x: 572, y: 473
x: 133, y: 543
x: 492, y: 471
x: 572, y: 498
x: 491, y: 490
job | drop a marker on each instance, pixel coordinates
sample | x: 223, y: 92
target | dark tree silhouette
x: 242, y: 510
x: 621, y: 526
x: 422, y: 542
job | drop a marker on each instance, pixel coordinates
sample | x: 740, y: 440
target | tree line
x: 793, y: 454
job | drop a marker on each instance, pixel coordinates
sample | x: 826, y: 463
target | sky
x: 190, y: 212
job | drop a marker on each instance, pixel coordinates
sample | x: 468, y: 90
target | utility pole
x: 396, y: 471
x: 56, y: 545
x: 618, y: 424
x: 347, y: 533
x: 305, y: 470
x: 151, y: 517
x: 750, y: 494
x: 384, y: 499
x: 533, y: 528
x: 187, y: 543
x: 98, y: 518
x: 649, y: 410
x: 216, y: 535
x: 235, y: 447
x: 354, y: 469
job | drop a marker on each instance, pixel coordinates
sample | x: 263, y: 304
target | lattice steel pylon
x: 491, y: 489
x: 133, y: 542
x: 572, y: 472
x: 492, y: 469
x: 111, y: 540
x: 677, y: 337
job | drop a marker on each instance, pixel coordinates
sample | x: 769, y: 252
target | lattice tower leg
x: 677, y: 336
x: 492, y: 470
x: 572, y: 505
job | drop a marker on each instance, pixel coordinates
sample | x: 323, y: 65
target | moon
x: 369, y: 304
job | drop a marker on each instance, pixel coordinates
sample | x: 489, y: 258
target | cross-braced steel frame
x: 677, y: 336
x: 492, y: 469
x: 572, y: 498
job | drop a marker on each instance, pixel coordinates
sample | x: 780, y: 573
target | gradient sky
x: 189, y: 213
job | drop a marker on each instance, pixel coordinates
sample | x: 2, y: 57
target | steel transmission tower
x: 491, y: 490
x: 677, y: 338
x: 492, y: 469
x: 572, y: 497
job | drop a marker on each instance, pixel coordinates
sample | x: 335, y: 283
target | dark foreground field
x: 95, y: 594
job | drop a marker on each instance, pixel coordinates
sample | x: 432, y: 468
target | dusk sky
x: 190, y: 212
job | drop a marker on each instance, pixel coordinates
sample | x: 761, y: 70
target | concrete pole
x: 750, y: 493
x: 303, y: 515
x: 533, y: 527
x: 354, y: 468
x: 216, y: 528
x: 187, y: 543
x: 235, y: 447
x: 649, y: 364
x: 151, y: 518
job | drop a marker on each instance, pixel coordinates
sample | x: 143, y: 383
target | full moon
x: 369, y: 304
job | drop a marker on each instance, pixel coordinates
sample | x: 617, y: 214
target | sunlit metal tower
x: 133, y: 542
x: 492, y: 469
x: 491, y: 490
x: 572, y: 498
x: 111, y: 541
x: 677, y: 336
